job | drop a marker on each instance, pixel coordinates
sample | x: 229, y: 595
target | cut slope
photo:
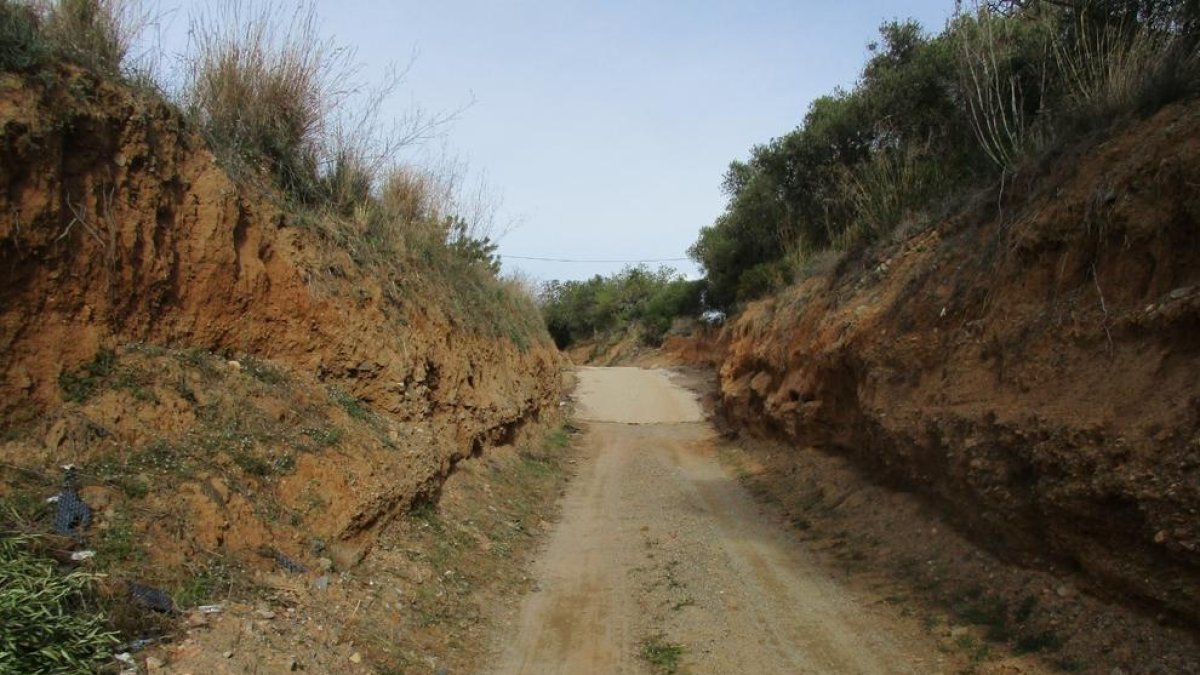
x: 127, y: 250
x: 1032, y: 372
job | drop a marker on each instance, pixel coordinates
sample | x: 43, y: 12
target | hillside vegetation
x: 990, y: 101
x: 636, y: 301
x: 979, y: 110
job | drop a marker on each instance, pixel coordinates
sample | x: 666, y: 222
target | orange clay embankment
x: 118, y: 228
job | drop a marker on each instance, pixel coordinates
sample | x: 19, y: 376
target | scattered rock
x: 228, y: 654
x: 356, y: 658
x: 1064, y: 591
x: 154, y: 663
x: 263, y: 613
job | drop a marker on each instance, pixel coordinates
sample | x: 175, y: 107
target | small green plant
x: 134, y: 487
x: 977, y: 651
x: 353, y: 407
x: 22, y: 510
x: 989, y: 611
x: 81, y: 384
x: 51, y: 623
x: 319, y: 437
x: 117, y: 543
x: 689, y: 601
x: 662, y: 655
x: 250, y: 462
x: 206, y: 583
x: 201, y: 361
x: 1046, y: 640
x: 263, y: 371
x: 558, y: 439
x: 134, y: 383
x: 534, y: 465
x: 159, y: 456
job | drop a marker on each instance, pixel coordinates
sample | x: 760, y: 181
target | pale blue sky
x: 606, y: 126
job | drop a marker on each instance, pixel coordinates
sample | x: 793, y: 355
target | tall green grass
x: 51, y: 623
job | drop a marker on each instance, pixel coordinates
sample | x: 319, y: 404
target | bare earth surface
x: 659, y: 545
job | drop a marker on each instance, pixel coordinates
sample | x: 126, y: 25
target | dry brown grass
x: 262, y: 83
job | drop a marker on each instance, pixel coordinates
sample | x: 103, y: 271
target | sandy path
x: 657, y: 539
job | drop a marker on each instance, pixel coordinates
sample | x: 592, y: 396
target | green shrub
x: 1004, y: 82
x: 637, y: 298
x: 96, y: 34
x: 22, y: 43
x: 93, y: 33
x: 51, y: 624
x: 81, y: 384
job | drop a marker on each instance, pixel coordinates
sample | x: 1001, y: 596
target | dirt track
x: 657, y: 542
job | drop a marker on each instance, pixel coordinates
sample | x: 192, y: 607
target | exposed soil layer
x: 892, y: 545
x: 132, y: 268
x: 1031, y: 372
x: 426, y: 599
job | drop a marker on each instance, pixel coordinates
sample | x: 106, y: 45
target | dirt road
x: 659, y: 548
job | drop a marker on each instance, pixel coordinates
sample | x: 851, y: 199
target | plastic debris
x: 125, y: 657
x: 72, y: 512
x: 138, y: 645
x: 151, y: 598
x: 210, y: 609
x: 286, y: 563
x: 79, y: 556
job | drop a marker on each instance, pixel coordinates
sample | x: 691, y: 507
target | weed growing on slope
x: 353, y: 407
x: 78, y: 386
x: 662, y: 655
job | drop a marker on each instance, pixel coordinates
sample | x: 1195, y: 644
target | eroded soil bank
x: 231, y: 381
x: 1029, y: 368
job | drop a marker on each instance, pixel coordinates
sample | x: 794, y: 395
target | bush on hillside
x: 636, y: 298
x: 96, y: 34
x: 934, y: 114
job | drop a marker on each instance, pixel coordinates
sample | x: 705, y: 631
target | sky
x: 603, y: 129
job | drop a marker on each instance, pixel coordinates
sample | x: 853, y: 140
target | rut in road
x: 657, y: 542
